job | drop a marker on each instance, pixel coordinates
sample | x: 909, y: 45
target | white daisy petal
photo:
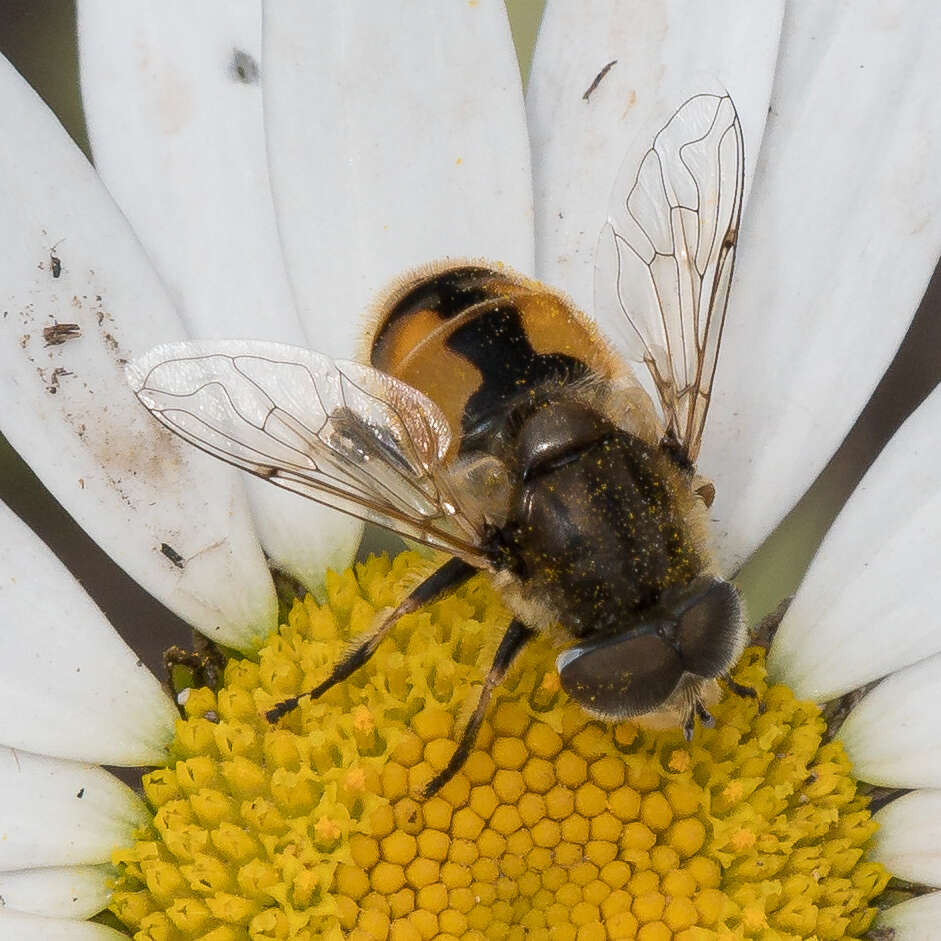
x: 172, y: 97
x: 915, y: 920
x: 908, y: 842
x: 841, y: 233
x: 57, y: 891
x: 67, y: 407
x: 396, y: 136
x: 173, y: 100
x: 300, y: 537
x: 663, y: 53
x: 62, y: 813
x: 15, y: 926
x: 71, y: 688
x: 874, y: 576
x: 891, y: 736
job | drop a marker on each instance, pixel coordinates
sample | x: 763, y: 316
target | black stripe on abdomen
x: 497, y: 345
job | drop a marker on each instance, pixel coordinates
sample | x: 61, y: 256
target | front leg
x: 451, y: 575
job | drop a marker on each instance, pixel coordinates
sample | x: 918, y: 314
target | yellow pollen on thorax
x: 557, y: 827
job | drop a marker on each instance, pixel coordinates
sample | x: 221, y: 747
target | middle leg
x: 515, y: 638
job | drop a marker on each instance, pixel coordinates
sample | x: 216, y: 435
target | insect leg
x: 705, y: 716
x: 744, y: 691
x: 696, y: 710
x: 740, y: 690
x: 515, y: 638
x: 453, y: 573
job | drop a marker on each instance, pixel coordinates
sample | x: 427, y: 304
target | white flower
x: 279, y: 177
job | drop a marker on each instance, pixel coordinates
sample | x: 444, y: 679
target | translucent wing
x: 666, y: 255
x: 340, y: 433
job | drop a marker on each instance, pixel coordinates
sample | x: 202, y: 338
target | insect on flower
x: 494, y: 423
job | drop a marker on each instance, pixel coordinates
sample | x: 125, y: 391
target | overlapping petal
x: 62, y: 813
x: 396, y: 136
x: 173, y: 101
x: 915, y: 920
x: 23, y: 927
x: 868, y: 605
x: 57, y: 891
x: 71, y: 688
x: 67, y: 407
x: 908, y: 842
x: 840, y: 236
x: 892, y: 735
x: 663, y: 54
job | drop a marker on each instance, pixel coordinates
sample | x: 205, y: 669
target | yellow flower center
x: 558, y: 827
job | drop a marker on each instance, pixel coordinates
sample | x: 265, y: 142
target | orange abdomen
x: 475, y: 340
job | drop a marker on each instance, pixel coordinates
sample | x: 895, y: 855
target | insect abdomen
x: 476, y: 341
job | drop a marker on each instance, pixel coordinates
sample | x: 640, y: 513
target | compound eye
x: 709, y: 627
x: 621, y: 676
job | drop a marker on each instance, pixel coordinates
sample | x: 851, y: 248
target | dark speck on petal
x: 244, y: 68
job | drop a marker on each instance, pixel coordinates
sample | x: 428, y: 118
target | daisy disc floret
x: 559, y: 826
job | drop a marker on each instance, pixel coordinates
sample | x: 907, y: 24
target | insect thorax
x: 599, y: 524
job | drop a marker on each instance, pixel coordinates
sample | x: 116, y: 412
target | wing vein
x: 678, y: 214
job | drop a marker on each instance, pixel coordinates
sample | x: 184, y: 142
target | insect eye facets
x: 558, y: 824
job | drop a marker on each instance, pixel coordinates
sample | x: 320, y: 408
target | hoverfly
x: 494, y: 423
